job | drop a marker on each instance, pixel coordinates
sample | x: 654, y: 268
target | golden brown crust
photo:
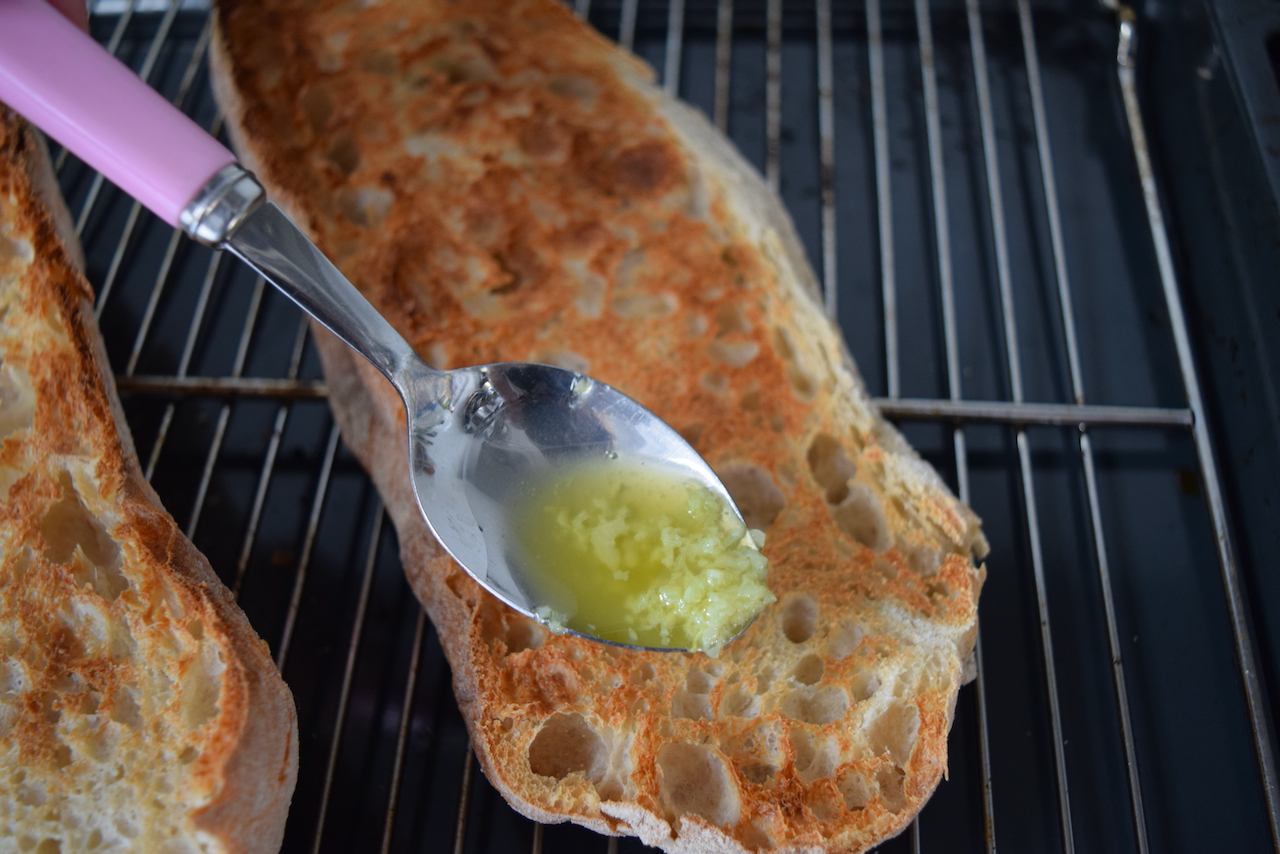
x: 137, y: 701
x: 503, y: 184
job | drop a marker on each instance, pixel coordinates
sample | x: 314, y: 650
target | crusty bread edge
x: 257, y: 738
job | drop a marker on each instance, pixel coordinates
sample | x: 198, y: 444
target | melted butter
x: 640, y: 556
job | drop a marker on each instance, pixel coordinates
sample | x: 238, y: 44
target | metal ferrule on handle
x: 222, y: 205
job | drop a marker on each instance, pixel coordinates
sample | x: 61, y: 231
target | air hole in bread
x: 195, y: 628
x: 365, y: 206
x: 199, y: 687
x: 522, y: 634
x: 61, y: 756
x: 49, y: 845
x: 642, y: 674
x: 188, y: 755
x: 17, y: 401
x: 822, y: 807
x: 695, y: 779
x: 49, y: 707
x: 799, y: 618
x: 809, y: 669
x: 691, y: 706
x: 591, y: 293
x: 32, y: 795
x: 8, y: 717
x: 577, y: 88
x: 566, y: 745
x: 815, y: 757
x: 646, y: 168
x: 737, y: 703
x: 126, y: 828
x: 68, y: 526
x: 844, y: 639
x: 380, y: 62
x: 698, y: 682
x: 12, y: 248
x: 760, y: 773
x: 731, y: 318
x: 464, y: 64
x: 890, y: 779
x: 734, y: 354
x: 923, y: 560
x: 755, y: 837
x: 124, y: 708
x: 860, y: 516
x: 713, y: 382
x: 692, y: 433
x: 344, y: 152
x: 803, y: 382
x: 831, y: 467
x: 854, y: 789
x: 755, y: 493
x: 645, y: 306
x: 863, y: 684
x: 816, y: 705
x: 895, y: 731
x: 317, y: 106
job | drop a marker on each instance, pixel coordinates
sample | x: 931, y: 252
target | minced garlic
x: 641, y: 556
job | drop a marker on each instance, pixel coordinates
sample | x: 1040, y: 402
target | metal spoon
x: 475, y: 435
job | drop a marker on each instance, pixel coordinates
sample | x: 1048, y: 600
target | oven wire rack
x: 149, y: 30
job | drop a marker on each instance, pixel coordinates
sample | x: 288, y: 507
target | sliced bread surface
x: 138, y: 709
x: 505, y: 184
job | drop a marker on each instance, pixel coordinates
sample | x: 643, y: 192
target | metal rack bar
x: 827, y: 155
x: 942, y: 236
x: 304, y: 562
x: 230, y: 386
x: 675, y: 41
x: 582, y: 8
x: 1067, y: 312
x: 1004, y: 276
x: 724, y: 54
x: 112, y: 45
x: 1258, y: 720
x: 884, y: 203
x: 464, y: 802
x: 348, y: 673
x: 536, y: 845
x: 135, y: 209
x: 902, y: 408
x: 268, y: 463
x: 148, y: 67
x: 224, y: 414
x: 627, y: 26
x: 402, y: 734
x: 188, y: 350
x: 773, y: 94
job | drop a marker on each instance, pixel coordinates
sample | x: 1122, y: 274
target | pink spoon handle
x: 64, y: 82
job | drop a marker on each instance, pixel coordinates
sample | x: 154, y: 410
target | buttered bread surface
x: 505, y: 184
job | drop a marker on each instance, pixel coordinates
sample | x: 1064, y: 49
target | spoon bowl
x: 476, y: 447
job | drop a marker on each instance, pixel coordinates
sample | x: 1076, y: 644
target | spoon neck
x: 232, y: 212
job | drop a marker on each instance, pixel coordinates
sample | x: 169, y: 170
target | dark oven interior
x: 1049, y: 232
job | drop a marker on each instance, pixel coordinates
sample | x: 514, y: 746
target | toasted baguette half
x: 138, y: 709
x: 505, y: 184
